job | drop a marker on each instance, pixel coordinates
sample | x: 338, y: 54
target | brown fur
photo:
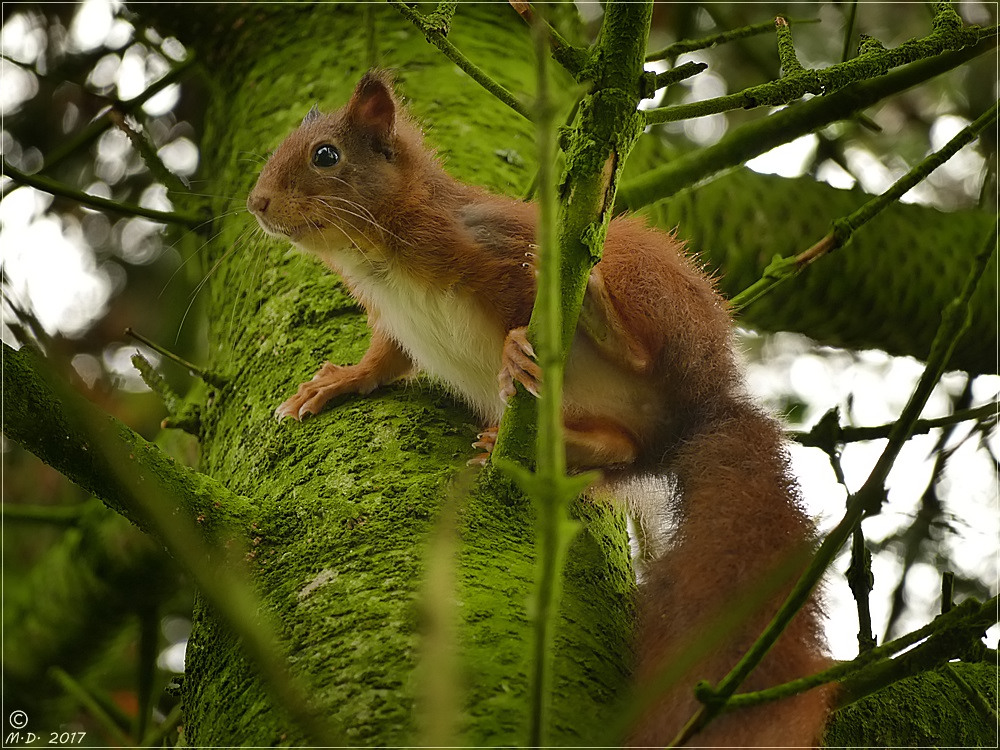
x: 651, y: 382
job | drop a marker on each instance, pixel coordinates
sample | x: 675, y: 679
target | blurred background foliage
x: 85, y: 276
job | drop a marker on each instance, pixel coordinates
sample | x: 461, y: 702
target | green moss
x: 928, y: 710
x: 889, y: 310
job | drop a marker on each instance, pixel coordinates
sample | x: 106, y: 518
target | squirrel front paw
x: 329, y: 381
x: 518, y: 365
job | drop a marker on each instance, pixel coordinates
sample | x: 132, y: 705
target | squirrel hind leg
x: 598, y: 443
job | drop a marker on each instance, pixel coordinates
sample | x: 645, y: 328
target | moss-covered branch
x: 946, y: 641
x: 563, y: 52
x: 782, y: 269
x: 898, y: 273
x: 596, y: 150
x: 874, y: 60
x: 951, y: 633
x: 438, y: 36
x: 40, y: 418
x: 175, y: 505
x: 762, y: 135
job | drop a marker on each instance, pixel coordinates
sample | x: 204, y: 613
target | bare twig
x: 49, y: 185
x: 436, y: 37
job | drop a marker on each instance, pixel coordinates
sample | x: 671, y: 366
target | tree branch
x: 821, y: 434
x: 93, y: 130
x: 960, y: 624
x: 437, y: 37
x: 782, y: 269
x: 175, y: 505
x: 49, y: 185
x: 799, y: 81
x: 692, y: 45
x: 56, y: 440
x: 762, y: 135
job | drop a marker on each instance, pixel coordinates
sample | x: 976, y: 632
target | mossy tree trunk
x: 346, y: 501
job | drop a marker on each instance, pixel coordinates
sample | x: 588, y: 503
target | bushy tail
x: 741, y: 542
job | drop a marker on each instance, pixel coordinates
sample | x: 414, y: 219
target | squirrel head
x: 328, y: 185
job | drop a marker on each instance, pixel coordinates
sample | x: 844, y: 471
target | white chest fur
x: 446, y: 333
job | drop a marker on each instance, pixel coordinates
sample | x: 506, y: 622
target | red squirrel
x: 651, y: 385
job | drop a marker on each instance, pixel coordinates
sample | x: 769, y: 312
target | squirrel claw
x: 485, y: 441
x: 519, y: 365
x: 313, y: 395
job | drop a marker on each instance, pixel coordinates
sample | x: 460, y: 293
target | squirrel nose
x: 258, y: 203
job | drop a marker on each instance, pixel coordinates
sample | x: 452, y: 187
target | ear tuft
x: 312, y: 114
x: 373, y: 107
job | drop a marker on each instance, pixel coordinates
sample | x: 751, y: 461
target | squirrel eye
x: 325, y: 155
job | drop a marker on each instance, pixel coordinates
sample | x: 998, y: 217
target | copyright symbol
x: 18, y: 719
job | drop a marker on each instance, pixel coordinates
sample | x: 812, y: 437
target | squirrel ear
x: 373, y: 107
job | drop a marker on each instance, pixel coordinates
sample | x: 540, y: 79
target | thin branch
x: 573, y: 59
x: 93, y: 130
x: 843, y: 229
x: 546, y: 485
x: 928, y: 515
x: 691, y: 45
x: 780, y: 270
x: 762, y: 135
x: 849, y: 31
x: 859, y: 571
x: 680, y: 73
x: 48, y: 185
x: 147, y: 151
x: 181, y: 415
x: 867, y: 65
x: 208, y: 377
x: 867, y: 501
x: 861, y: 581
x: 968, y: 617
x: 790, y: 65
x: 820, y: 436
x: 82, y: 696
x: 438, y: 39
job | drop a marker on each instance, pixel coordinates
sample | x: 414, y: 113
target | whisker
x: 193, y: 255
x: 201, y: 284
x: 334, y: 217
x: 245, y: 280
x: 370, y: 217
